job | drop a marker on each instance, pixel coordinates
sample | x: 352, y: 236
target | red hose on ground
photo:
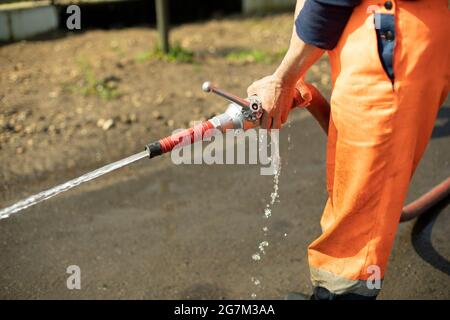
x: 426, y: 201
x: 320, y: 110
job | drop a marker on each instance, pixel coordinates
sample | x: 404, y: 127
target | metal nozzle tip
x: 206, y: 86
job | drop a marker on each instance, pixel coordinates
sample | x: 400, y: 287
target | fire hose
x: 244, y: 114
x: 241, y: 114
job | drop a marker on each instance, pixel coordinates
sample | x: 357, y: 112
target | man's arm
x: 316, y: 27
x: 277, y: 90
x: 299, y: 57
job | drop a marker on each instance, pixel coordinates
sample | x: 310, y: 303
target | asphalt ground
x: 155, y: 230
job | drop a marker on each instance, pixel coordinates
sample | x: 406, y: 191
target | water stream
x: 47, y: 194
x: 274, y: 196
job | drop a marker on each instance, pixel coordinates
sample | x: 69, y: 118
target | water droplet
x: 256, y: 257
x: 262, y: 245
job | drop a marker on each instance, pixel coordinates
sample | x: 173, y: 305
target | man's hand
x: 277, y: 91
x: 277, y: 99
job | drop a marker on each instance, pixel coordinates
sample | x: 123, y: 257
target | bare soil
x: 55, y: 120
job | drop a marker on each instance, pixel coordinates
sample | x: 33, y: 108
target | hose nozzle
x: 209, y: 87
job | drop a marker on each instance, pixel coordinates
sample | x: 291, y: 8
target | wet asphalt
x: 156, y: 230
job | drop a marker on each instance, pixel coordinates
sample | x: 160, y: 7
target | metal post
x: 162, y: 21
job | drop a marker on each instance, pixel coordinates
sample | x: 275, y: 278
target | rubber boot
x: 324, y: 294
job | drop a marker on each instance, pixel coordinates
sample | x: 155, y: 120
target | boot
x: 324, y: 294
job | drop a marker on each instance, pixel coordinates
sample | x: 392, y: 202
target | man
x: 390, y: 72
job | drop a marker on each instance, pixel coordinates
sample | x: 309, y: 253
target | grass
x: 254, y: 56
x: 106, y: 88
x: 176, y: 54
x: 179, y: 54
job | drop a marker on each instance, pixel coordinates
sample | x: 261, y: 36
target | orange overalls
x: 378, y: 132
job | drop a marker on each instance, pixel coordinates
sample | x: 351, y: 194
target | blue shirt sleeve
x: 321, y: 22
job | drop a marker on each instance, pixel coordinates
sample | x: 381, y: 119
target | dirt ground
x: 54, y: 119
x: 154, y: 230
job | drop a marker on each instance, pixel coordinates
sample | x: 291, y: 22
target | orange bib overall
x: 378, y: 132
